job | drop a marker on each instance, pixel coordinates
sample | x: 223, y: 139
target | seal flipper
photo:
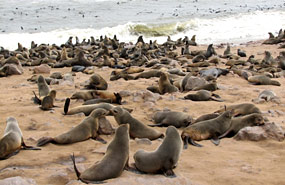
x: 158, y: 125
x: 185, y: 142
x: 98, y: 138
x: 66, y: 105
x: 216, y: 141
x: 44, y: 140
x: 192, y: 142
x: 169, y: 173
x: 78, y: 173
x: 216, y: 99
x: 26, y: 147
x: 133, y: 169
x: 36, y: 99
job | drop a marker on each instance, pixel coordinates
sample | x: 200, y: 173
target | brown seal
x: 209, y: 87
x: 168, y: 118
x: 46, y: 102
x: 241, y: 109
x: 88, y: 128
x: 262, y: 80
x: 203, y: 95
x: 12, y: 141
x: 97, y: 82
x: 238, y: 123
x: 164, y: 159
x: 164, y: 84
x: 137, y: 128
x: 148, y: 74
x: 209, y: 129
x: 114, y: 161
x: 94, y: 94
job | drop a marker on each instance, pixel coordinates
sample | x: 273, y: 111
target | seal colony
x: 176, y: 73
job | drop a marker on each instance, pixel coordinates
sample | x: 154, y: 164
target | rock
x: 105, y: 126
x: 149, y: 105
x: 43, y: 68
x: 251, y: 133
x: 194, y: 82
x: 270, y: 130
x: 77, y: 68
x: 59, y: 176
x: 56, y: 75
x: 125, y: 93
x: 17, y: 181
x: 74, y: 182
x: 144, y: 141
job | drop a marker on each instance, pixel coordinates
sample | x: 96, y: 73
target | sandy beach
x: 232, y: 162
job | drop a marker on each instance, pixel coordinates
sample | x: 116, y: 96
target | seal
x: 238, y: 123
x: 164, y: 84
x: 88, y: 128
x: 12, y: 140
x: 241, y: 109
x: 164, y: 159
x: 137, y: 128
x: 46, y: 102
x: 168, y: 118
x: 148, y: 74
x: 203, y: 95
x: 97, y: 82
x: 87, y: 109
x: 209, y: 87
x: 209, y: 129
x: 262, y: 80
x: 94, y: 94
x: 43, y: 86
x: 114, y: 161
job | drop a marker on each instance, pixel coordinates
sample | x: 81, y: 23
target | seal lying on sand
x: 164, y: 159
x: 114, y: 161
x: 209, y: 129
x: 241, y: 109
x: 88, y: 128
x: 12, y: 141
x: 203, y: 95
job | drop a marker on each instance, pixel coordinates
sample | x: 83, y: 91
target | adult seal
x: 137, y: 128
x: 165, y: 158
x: 203, y: 95
x: 88, y: 128
x: 262, y: 80
x: 209, y: 129
x: 168, y: 118
x: 12, y: 141
x: 114, y: 161
x: 241, y: 109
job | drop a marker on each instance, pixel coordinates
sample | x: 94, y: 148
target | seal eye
x: 115, y: 111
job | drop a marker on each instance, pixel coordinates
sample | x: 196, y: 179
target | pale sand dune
x: 232, y: 162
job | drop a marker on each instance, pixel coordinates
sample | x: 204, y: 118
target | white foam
x: 232, y: 29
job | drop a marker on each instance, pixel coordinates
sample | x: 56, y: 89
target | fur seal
x: 209, y: 129
x: 97, y: 82
x: 46, y: 102
x: 167, y: 118
x: 148, y: 74
x: 137, y: 128
x: 241, y: 109
x: 238, y: 123
x: 203, y: 95
x: 94, y: 94
x: 114, y: 161
x: 164, y: 84
x: 165, y: 158
x: 88, y: 128
x: 241, y: 53
x: 262, y: 80
x: 43, y: 86
x: 12, y: 141
x: 209, y: 87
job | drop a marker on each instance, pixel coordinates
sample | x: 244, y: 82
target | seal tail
x: 36, y: 99
x: 44, y: 140
x: 66, y: 105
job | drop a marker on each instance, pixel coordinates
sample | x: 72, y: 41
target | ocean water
x: 213, y: 21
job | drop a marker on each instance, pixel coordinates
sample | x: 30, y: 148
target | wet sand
x: 232, y: 162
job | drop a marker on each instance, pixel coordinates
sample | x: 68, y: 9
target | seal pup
x: 43, y: 86
x: 262, y: 80
x: 241, y: 53
x: 203, y: 95
x: 137, y: 128
x: 164, y: 159
x: 238, y: 123
x: 164, y: 84
x: 12, y: 140
x: 114, y: 161
x: 168, y: 118
x: 241, y: 109
x: 94, y: 94
x: 46, y: 102
x: 209, y: 129
x: 88, y: 128
x: 97, y: 82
